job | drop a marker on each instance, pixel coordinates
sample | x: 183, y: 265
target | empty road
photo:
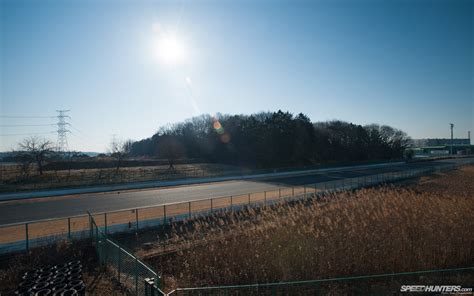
x: 64, y: 206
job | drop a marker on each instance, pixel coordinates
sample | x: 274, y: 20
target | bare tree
x: 71, y: 156
x: 25, y: 162
x: 168, y: 147
x: 35, y: 150
x: 119, y: 150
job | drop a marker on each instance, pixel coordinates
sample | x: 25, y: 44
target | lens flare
x: 225, y: 138
x: 218, y: 127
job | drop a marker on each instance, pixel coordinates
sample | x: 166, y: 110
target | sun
x: 170, y: 50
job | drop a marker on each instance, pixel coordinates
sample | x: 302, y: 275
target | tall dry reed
x: 370, y: 231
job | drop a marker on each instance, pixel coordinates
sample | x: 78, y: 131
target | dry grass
x: 11, y: 180
x: 425, y: 226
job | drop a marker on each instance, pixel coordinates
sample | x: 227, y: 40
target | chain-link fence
x: 12, y: 179
x: 129, y: 271
x: 138, y: 278
x: 22, y: 236
x: 454, y: 281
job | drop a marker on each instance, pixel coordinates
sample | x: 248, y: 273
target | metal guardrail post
x: 26, y: 238
x: 293, y: 192
x: 105, y: 222
x: 279, y: 193
x: 265, y: 198
x: 189, y: 210
x: 212, y: 206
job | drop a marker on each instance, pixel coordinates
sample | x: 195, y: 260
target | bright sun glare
x: 170, y: 50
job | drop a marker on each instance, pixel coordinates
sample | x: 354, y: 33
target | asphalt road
x: 57, y: 207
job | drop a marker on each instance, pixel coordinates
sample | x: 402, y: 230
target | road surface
x: 66, y: 206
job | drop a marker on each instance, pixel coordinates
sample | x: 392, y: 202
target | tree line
x: 272, y: 139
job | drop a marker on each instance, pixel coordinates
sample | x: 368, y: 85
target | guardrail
x: 23, y: 236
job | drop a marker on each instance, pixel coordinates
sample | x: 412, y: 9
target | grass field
x: 423, y: 226
x: 11, y: 179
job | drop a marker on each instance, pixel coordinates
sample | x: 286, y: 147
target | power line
x: 25, y: 134
x: 78, y: 136
x: 22, y: 116
x: 20, y: 125
x: 75, y: 128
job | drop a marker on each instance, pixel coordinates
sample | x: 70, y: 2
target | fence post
x: 136, y: 218
x: 249, y: 199
x: 279, y: 193
x: 69, y: 228
x: 96, y: 236
x: 212, y: 208
x: 189, y: 210
x: 136, y: 275
x: 105, y: 222
x: 265, y: 198
x: 164, y: 214
x: 231, y: 204
x: 91, y: 233
x: 292, y: 192
x: 304, y: 191
x: 26, y: 237
x: 119, y: 263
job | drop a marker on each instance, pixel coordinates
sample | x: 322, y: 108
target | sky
x: 125, y: 68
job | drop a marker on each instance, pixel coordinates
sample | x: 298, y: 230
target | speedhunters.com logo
x: 436, y: 289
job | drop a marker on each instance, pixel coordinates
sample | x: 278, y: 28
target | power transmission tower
x: 62, y: 130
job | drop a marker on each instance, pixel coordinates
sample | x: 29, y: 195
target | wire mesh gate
x: 130, y: 272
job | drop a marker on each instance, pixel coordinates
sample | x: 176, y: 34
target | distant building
x: 439, y: 142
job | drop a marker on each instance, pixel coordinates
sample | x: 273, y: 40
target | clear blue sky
x: 408, y: 64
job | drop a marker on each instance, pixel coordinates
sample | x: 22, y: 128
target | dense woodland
x: 272, y: 139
